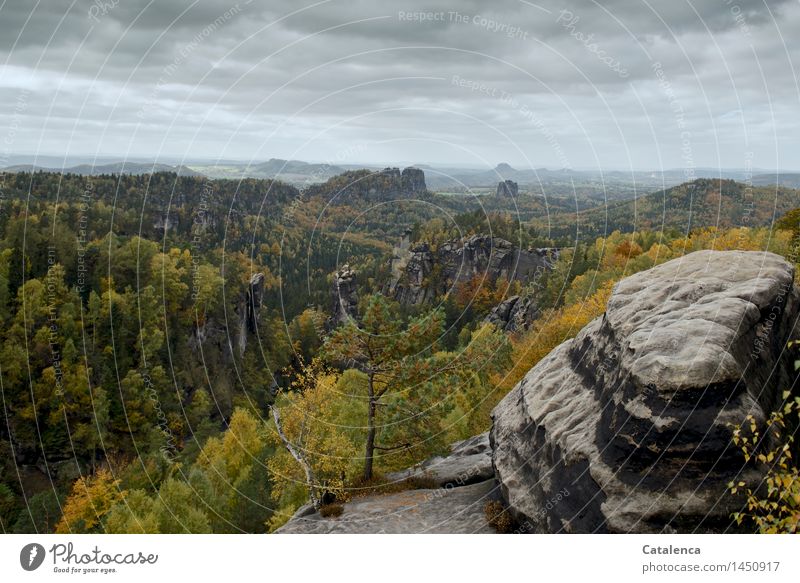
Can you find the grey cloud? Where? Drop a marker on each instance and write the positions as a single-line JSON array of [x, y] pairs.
[[208, 79]]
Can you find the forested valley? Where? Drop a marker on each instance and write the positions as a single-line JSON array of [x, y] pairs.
[[176, 355]]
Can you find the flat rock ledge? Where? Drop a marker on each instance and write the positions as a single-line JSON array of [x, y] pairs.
[[469, 461], [626, 428], [465, 483], [432, 511]]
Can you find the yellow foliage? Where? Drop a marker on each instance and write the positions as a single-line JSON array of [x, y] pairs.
[[230, 456], [551, 329], [314, 420], [775, 508], [90, 500], [659, 253]]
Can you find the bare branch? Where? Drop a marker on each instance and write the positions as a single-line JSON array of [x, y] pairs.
[[401, 446], [311, 481]]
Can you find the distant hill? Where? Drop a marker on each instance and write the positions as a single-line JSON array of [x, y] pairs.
[[277, 167], [700, 203], [294, 172], [607, 184], [113, 168], [789, 180]]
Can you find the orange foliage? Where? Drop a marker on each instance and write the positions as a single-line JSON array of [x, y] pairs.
[[481, 294]]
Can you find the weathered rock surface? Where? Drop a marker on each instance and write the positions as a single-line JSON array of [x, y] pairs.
[[514, 314], [629, 421], [465, 483], [443, 510], [409, 182], [248, 309], [254, 297], [469, 461], [344, 293], [413, 181], [421, 274]]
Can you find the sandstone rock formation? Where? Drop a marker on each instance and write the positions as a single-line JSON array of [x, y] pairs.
[[514, 314], [507, 188], [409, 182], [411, 268], [254, 297], [249, 308], [630, 421], [413, 181], [228, 337], [355, 186], [344, 292], [421, 274]]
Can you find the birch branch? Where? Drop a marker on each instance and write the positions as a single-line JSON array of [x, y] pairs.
[[298, 455]]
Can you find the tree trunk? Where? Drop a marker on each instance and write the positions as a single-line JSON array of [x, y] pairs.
[[369, 453], [311, 480]]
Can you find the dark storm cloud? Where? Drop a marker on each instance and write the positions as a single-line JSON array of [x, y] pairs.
[[618, 82]]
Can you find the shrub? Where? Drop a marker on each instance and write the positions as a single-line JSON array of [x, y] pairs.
[[331, 510], [775, 506], [498, 517]]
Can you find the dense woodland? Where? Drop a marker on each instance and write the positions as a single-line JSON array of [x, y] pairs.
[[139, 395], [679, 210]]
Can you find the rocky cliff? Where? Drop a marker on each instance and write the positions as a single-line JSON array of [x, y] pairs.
[[633, 416], [344, 295], [627, 427], [358, 185], [514, 314], [508, 188], [420, 273], [412, 181], [224, 336]]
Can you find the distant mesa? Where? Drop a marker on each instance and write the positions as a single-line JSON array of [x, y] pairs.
[[508, 188]]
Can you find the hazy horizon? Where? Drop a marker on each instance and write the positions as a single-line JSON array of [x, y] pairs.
[[617, 86], [56, 160]]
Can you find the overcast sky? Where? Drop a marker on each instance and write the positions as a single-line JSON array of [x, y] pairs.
[[611, 84]]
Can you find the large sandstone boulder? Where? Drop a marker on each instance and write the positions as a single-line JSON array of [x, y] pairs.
[[626, 428]]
